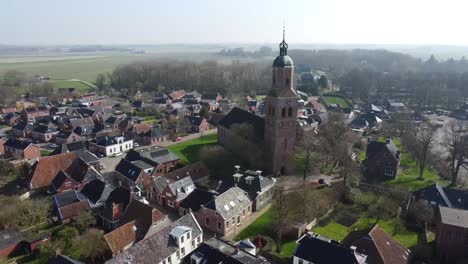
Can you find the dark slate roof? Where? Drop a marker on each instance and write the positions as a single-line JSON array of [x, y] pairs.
[[257, 183], [128, 170], [239, 116], [447, 197], [63, 134], [158, 246], [320, 250], [180, 187], [43, 129], [96, 191], [87, 156], [375, 147], [9, 237], [67, 198], [23, 126], [70, 147], [119, 195], [195, 120], [17, 144], [151, 154], [197, 198], [155, 132], [85, 130], [217, 250], [59, 179]]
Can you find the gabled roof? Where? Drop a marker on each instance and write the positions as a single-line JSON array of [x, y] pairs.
[[321, 250], [17, 144], [390, 250], [376, 147], [229, 203], [152, 154], [63, 134], [239, 116], [70, 147], [196, 171], [96, 191], [9, 237], [155, 132], [45, 169], [128, 170], [144, 216], [158, 246], [23, 126], [43, 129], [249, 181], [454, 217], [121, 237], [177, 94], [197, 198], [195, 120], [81, 122], [179, 187]]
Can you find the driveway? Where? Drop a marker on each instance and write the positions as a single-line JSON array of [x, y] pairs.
[[110, 163]]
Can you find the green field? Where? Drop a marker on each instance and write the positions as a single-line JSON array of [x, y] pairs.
[[336, 100], [79, 85], [188, 151]]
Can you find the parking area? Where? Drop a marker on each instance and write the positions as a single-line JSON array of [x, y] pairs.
[[108, 164]]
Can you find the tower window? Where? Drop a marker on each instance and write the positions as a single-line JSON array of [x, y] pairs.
[[290, 111], [283, 112], [274, 78], [287, 81]]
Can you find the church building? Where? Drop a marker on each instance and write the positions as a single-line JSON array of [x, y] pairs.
[[277, 130]]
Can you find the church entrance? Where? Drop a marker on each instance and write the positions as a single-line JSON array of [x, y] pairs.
[[282, 171]]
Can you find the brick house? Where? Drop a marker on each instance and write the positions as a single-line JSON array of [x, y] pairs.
[[382, 160], [155, 160], [69, 204], [65, 137], [258, 187], [44, 133], [196, 124], [197, 171], [10, 243], [224, 213], [29, 114], [74, 177], [22, 129], [109, 216], [154, 136], [44, 170], [132, 176], [167, 245], [20, 150], [169, 192], [451, 236]]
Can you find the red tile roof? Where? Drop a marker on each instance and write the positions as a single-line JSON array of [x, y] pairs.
[[197, 171], [177, 94], [73, 209], [45, 169], [121, 237]]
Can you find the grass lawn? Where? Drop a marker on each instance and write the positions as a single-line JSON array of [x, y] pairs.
[[188, 151], [77, 84], [288, 249], [338, 232], [259, 226], [336, 100]]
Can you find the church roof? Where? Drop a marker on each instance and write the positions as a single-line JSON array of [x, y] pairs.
[[283, 61], [239, 116]]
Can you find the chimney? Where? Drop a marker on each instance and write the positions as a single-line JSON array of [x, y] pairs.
[[387, 141], [353, 248], [237, 168], [58, 252], [117, 210], [368, 140], [259, 173]]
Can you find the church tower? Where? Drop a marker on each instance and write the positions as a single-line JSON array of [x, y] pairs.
[[281, 114]]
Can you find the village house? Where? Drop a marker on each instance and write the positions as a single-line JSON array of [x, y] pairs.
[[451, 236], [131, 176], [30, 114], [12, 119], [69, 204], [22, 129], [170, 192], [218, 250], [44, 170], [224, 213], [110, 214], [10, 243], [110, 146], [169, 245], [258, 187], [65, 137], [197, 171], [21, 150], [177, 95], [44, 133], [138, 219], [317, 249], [97, 192], [154, 160], [75, 177], [382, 159], [379, 246], [196, 124], [154, 136], [437, 195], [74, 123]]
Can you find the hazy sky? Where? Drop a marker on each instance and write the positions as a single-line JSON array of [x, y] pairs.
[[233, 21]]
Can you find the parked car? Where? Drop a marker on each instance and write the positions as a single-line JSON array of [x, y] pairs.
[[177, 139], [117, 154]]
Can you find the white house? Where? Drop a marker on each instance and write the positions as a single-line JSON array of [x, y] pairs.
[[110, 146]]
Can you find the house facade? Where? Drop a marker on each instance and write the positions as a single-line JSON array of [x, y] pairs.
[[170, 193], [452, 235], [382, 160], [109, 146], [21, 150]]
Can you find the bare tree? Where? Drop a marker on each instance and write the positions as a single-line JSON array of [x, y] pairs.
[[280, 210], [419, 142], [457, 150]]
